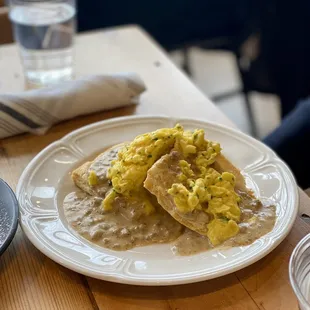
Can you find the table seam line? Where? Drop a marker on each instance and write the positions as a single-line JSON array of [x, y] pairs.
[[89, 292], [256, 304]]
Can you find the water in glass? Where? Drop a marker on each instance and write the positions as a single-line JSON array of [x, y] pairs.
[[44, 32]]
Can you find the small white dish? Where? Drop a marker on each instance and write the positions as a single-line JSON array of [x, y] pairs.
[[46, 181]]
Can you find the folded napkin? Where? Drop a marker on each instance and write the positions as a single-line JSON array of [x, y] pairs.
[[37, 110]]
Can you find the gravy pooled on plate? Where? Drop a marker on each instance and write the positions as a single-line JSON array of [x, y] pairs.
[[165, 186], [256, 221], [123, 228], [128, 224]]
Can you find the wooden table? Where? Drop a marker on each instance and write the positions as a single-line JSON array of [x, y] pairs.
[[30, 280]]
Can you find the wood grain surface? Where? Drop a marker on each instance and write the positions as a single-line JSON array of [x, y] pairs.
[[30, 280], [6, 33]]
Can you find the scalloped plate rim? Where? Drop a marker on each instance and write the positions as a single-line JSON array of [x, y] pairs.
[[126, 279]]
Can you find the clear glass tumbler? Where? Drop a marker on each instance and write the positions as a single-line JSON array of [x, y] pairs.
[[299, 272], [44, 31]]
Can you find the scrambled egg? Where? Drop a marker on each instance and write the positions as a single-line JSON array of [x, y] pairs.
[[220, 230], [92, 178], [203, 189], [128, 172], [213, 193]]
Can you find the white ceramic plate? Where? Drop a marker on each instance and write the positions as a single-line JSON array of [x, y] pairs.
[[46, 180]]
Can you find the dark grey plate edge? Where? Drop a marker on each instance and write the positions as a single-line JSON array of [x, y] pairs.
[[14, 226]]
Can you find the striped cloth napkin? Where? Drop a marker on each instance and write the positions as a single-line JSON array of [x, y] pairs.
[[37, 110]]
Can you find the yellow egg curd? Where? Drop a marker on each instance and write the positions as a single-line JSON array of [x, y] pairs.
[[212, 193], [203, 189]]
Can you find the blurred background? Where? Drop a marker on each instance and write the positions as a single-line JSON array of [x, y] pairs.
[[251, 57]]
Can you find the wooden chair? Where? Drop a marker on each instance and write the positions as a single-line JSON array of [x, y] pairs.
[[6, 35]]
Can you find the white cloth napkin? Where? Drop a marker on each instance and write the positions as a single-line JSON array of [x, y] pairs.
[[37, 110]]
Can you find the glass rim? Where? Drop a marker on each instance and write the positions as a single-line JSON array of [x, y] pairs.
[[294, 284]]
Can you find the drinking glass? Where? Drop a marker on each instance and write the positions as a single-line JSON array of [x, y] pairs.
[[299, 272], [44, 31]]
